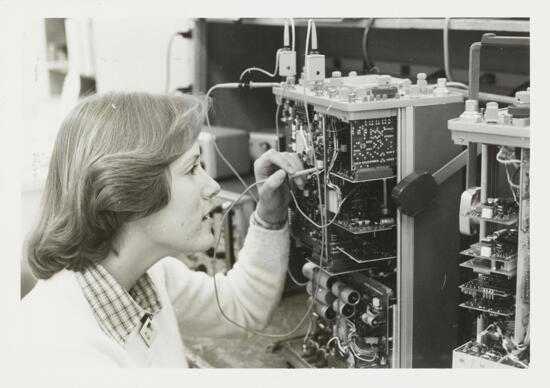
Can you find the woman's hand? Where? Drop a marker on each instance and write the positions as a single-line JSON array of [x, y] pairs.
[[274, 195]]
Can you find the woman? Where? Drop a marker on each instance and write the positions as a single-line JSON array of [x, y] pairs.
[[125, 193]]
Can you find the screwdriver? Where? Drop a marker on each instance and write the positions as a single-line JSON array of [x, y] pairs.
[[303, 172]]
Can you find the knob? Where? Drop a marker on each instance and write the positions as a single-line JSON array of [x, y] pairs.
[[491, 112], [383, 80], [523, 98]]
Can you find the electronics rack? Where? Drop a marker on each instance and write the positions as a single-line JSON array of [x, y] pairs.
[[365, 134], [499, 295]]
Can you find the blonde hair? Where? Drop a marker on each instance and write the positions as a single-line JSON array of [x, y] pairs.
[[108, 167]]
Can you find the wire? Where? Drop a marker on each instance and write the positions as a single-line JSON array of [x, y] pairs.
[[446, 54], [293, 34], [364, 46], [294, 279], [506, 162], [258, 69], [446, 58], [353, 350], [313, 222], [460, 85], [502, 160], [168, 61], [306, 51], [233, 85], [216, 287]]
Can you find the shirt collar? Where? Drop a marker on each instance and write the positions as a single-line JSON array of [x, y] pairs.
[[118, 312]]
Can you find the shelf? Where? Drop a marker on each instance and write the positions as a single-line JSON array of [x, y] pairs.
[[468, 24], [365, 260], [510, 220], [486, 270], [474, 251], [363, 229], [463, 132], [473, 287], [349, 179], [500, 312]]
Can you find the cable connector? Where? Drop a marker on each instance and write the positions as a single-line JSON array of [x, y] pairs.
[[287, 63], [314, 67], [256, 85]]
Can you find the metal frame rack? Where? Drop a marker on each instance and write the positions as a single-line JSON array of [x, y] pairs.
[[422, 316], [495, 129]]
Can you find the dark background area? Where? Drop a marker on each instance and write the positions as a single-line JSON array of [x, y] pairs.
[[235, 46]]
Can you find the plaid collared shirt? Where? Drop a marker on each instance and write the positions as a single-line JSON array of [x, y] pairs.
[[117, 311]]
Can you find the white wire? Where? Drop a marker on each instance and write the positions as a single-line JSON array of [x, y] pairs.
[[294, 279], [313, 222], [307, 37], [293, 34], [269, 335], [352, 348], [232, 85], [454, 84], [262, 70], [278, 149], [168, 62], [501, 160], [446, 58], [446, 49]]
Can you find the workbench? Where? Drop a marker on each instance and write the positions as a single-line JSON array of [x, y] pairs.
[[255, 351]]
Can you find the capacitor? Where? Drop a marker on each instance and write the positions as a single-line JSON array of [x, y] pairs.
[[370, 319], [387, 221], [324, 311], [308, 269], [322, 295], [343, 309], [345, 293]]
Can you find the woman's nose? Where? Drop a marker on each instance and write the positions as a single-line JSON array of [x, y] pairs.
[[210, 189]]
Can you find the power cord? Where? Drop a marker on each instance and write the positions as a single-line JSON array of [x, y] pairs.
[[169, 56]]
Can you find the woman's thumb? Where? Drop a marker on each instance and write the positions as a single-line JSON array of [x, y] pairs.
[[275, 180]]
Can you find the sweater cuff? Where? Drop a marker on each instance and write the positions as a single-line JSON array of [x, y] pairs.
[[255, 219], [267, 246]]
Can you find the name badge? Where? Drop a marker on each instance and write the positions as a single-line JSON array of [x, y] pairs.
[[146, 331]]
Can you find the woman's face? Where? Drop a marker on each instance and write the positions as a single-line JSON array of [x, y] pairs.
[[184, 224]]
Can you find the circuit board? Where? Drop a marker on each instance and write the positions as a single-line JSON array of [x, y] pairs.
[[345, 219]]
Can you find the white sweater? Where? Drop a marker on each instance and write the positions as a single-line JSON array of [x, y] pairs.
[[60, 330]]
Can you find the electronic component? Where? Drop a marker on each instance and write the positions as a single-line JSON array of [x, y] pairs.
[[468, 200], [287, 63], [344, 222], [498, 210], [501, 256]]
